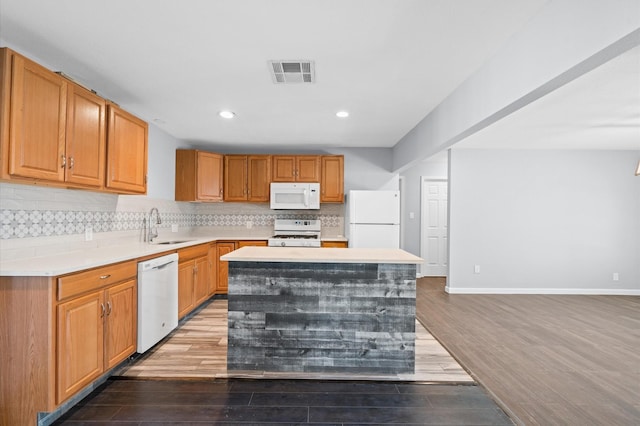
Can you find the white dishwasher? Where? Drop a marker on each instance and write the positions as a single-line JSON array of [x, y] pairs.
[[157, 299]]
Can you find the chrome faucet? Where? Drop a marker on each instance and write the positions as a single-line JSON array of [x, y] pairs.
[[152, 233]]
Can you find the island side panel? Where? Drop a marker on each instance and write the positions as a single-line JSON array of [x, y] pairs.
[[322, 317]]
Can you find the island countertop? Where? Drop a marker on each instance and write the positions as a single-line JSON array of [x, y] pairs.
[[321, 255]]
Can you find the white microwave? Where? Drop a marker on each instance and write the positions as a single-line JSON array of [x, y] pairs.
[[295, 196]]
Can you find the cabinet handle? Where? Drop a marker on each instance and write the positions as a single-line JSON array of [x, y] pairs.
[[102, 310], [109, 308], [71, 163], [104, 277], [64, 162]]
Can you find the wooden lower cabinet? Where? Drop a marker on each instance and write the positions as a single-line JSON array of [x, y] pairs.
[[194, 278], [96, 328], [223, 247], [253, 243], [335, 244], [186, 303], [213, 269], [80, 343]]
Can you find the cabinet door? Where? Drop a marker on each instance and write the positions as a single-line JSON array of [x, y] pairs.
[[283, 168], [209, 176], [86, 137], [121, 319], [334, 244], [80, 350], [253, 243], [235, 178], [202, 277], [37, 125], [213, 269], [308, 168], [259, 177], [185, 288], [223, 267], [126, 152], [332, 183]]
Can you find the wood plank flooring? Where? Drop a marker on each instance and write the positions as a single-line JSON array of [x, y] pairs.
[[131, 402], [198, 349], [547, 360]]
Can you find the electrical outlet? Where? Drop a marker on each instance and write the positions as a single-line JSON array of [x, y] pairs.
[[476, 269], [249, 224], [174, 227], [88, 233], [616, 276]]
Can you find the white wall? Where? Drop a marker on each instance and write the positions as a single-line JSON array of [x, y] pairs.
[[544, 221], [162, 163], [368, 169]]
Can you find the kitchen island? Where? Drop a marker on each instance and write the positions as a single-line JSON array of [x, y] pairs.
[[321, 310]]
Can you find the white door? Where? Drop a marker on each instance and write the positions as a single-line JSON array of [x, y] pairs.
[[433, 241]]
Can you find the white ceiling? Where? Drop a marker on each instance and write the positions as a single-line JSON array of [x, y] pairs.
[[177, 63]]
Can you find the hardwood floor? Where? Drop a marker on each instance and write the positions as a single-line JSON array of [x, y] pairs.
[[284, 403], [198, 348], [547, 360]]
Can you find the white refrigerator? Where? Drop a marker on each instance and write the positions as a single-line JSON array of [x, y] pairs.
[[373, 219]]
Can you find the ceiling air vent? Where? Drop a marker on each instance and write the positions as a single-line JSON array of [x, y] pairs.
[[292, 71]]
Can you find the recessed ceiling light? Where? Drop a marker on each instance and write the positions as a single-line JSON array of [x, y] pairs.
[[227, 114], [342, 114]]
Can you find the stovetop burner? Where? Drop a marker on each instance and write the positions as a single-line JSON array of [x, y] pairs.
[[308, 237]]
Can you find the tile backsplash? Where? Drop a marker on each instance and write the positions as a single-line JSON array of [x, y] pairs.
[[32, 211]]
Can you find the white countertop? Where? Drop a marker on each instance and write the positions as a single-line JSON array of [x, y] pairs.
[[68, 258], [67, 262], [321, 255]]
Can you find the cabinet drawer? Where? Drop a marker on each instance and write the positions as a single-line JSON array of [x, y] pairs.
[[193, 252], [82, 282]]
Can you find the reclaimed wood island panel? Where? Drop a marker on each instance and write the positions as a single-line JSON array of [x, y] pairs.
[[321, 310]]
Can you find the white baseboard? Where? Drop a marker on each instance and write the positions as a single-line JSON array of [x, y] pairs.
[[567, 291]]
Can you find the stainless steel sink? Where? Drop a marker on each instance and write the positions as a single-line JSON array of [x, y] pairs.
[[172, 242]]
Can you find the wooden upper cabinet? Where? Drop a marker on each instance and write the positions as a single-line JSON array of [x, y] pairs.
[[85, 137], [55, 131], [284, 168], [247, 177], [199, 175], [307, 168], [126, 152], [296, 168], [332, 183], [258, 178], [235, 178], [37, 116]]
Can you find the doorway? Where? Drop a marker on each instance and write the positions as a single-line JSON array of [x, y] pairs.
[[433, 227]]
